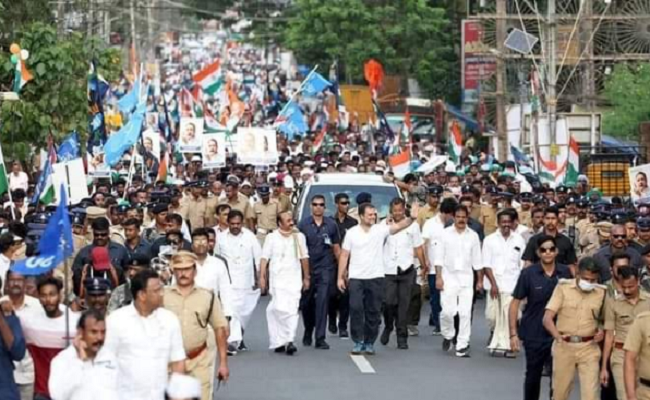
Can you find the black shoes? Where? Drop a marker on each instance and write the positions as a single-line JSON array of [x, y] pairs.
[[343, 334], [446, 344], [385, 336], [463, 353], [291, 349], [322, 345], [242, 346], [306, 339], [280, 349], [402, 346], [332, 329]]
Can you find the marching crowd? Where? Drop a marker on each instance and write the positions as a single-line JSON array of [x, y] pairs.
[[166, 274], [168, 282]]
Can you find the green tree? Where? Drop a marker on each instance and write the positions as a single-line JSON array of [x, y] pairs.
[[409, 37], [55, 100], [626, 90], [15, 14]]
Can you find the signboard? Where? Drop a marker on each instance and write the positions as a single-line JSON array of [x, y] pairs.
[[571, 48], [71, 174], [477, 63], [257, 146], [191, 135], [639, 182]]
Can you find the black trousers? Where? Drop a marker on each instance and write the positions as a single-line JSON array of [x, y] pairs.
[[397, 302], [366, 296], [339, 307], [314, 302], [415, 305], [538, 353]]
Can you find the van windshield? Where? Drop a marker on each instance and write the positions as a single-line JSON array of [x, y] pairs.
[[381, 197]]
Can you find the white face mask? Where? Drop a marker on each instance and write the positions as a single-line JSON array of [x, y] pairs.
[[586, 286]]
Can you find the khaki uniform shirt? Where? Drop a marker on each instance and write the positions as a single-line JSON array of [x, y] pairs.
[[620, 314], [593, 243], [242, 204], [192, 312], [284, 200], [195, 211], [266, 215], [488, 219], [117, 234], [211, 211], [425, 213], [578, 312], [525, 217], [475, 212], [637, 341]]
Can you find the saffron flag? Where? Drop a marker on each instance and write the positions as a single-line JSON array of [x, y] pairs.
[[455, 145], [400, 164], [573, 163]]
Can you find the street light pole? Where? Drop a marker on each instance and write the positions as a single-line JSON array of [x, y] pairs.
[[502, 129], [551, 73]]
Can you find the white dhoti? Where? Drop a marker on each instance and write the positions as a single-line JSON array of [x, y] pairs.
[[282, 316], [496, 313], [243, 303]]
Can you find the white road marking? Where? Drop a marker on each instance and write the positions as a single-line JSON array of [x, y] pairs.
[[363, 364]]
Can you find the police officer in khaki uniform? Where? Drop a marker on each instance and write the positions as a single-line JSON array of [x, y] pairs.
[[525, 208], [238, 201], [577, 304], [433, 204], [194, 208], [620, 313], [597, 237], [213, 200], [489, 211], [197, 308], [266, 213], [636, 367]]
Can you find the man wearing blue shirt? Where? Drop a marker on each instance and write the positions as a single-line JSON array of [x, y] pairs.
[[535, 284], [323, 244], [12, 348]]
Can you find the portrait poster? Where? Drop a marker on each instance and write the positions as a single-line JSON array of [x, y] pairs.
[[152, 121], [213, 151], [257, 146], [191, 135], [151, 140], [639, 182]]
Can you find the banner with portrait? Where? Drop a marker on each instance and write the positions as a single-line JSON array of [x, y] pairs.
[[639, 182], [257, 146], [191, 135], [151, 140], [213, 151]]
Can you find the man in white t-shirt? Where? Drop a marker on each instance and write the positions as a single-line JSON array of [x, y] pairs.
[[364, 278], [146, 340], [432, 232]]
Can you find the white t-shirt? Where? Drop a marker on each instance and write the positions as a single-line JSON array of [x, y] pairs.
[[20, 181], [366, 249]]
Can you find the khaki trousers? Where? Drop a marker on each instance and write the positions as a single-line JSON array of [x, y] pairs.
[[202, 368], [567, 357], [616, 362], [642, 392]]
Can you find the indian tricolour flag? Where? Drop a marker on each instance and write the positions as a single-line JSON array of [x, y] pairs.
[[209, 78], [400, 163], [573, 164], [455, 145], [45, 189]]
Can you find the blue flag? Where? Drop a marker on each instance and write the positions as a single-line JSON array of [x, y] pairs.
[[128, 102], [314, 84], [125, 138], [55, 245], [43, 179], [291, 121], [70, 148], [97, 90]]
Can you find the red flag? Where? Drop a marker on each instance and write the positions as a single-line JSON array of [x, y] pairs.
[[374, 74]]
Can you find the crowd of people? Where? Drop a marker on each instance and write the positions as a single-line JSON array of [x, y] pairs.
[[166, 274]]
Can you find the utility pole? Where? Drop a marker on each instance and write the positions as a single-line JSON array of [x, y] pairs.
[[551, 73], [133, 38], [502, 129], [150, 32], [60, 17]]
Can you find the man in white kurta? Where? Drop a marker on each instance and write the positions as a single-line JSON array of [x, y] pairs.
[[289, 276], [502, 252], [457, 256], [242, 251]]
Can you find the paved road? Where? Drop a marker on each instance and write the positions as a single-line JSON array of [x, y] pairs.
[[422, 372]]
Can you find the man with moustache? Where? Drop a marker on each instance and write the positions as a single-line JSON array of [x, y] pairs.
[[85, 370]]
